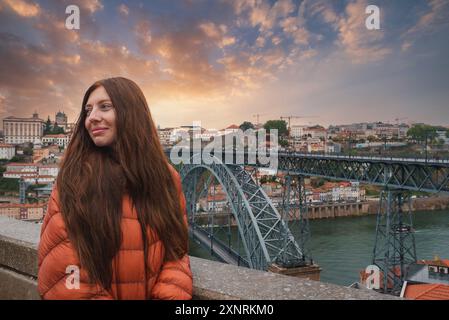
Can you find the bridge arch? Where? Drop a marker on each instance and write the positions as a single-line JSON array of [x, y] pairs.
[[265, 235]]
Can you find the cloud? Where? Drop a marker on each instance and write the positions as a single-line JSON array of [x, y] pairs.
[[91, 6], [431, 20], [123, 10], [23, 8], [359, 43]]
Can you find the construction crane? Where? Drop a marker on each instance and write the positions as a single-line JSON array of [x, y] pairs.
[[293, 117]]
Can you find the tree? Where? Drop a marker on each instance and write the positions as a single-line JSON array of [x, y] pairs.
[[447, 134], [421, 132], [47, 129], [279, 125], [246, 125], [57, 129], [283, 143]]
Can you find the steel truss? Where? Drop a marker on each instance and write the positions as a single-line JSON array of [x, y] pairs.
[[394, 248], [408, 175], [295, 211], [261, 228]]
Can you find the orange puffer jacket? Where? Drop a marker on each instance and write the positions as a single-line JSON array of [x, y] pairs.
[[56, 256]]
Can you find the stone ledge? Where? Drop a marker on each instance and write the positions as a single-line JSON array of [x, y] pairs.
[[212, 280]]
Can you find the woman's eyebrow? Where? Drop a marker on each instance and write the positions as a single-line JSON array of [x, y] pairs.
[[99, 102]]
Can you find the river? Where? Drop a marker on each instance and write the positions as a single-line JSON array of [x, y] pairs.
[[343, 246]]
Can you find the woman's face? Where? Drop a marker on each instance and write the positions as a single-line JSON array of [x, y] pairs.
[[100, 118]]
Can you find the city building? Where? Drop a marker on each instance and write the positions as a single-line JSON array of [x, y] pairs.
[[61, 140], [48, 170], [61, 120], [231, 129], [316, 132], [21, 130], [23, 211], [7, 151], [427, 280], [165, 136], [297, 131], [33, 173], [441, 135]]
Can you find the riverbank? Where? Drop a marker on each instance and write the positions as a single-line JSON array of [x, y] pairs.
[[371, 207]]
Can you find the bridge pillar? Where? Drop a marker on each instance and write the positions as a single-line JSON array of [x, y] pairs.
[[295, 214], [394, 248], [295, 211]]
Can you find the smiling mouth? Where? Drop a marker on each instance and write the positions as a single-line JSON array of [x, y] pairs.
[[98, 131]]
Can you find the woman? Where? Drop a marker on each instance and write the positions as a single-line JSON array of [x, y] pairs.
[[116, 225]]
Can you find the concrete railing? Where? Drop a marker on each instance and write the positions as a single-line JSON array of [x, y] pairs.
[[212, 280]]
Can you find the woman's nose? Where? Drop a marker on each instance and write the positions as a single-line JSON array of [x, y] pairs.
[[94, 115]]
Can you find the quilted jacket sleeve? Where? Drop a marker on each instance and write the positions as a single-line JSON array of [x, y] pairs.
[[175, 280], [60, 276]]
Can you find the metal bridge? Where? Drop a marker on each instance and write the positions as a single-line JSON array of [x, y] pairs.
[[264, 229]]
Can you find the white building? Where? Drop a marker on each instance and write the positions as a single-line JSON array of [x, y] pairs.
[[61, 140], [48, 170], [21, 167], [21, 130], [297, 131], [7, 151], [165, 136], [441, 135]]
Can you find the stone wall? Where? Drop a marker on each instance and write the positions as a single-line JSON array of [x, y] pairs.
[[212, 280]]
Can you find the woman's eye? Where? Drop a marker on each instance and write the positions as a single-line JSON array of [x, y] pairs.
[[106, 106]]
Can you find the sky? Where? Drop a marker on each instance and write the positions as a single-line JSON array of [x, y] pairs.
[[222, 62]]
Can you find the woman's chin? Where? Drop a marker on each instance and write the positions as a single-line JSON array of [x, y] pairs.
[[102, 142]]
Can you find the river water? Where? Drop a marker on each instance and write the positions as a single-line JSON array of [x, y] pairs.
[[344, 246]]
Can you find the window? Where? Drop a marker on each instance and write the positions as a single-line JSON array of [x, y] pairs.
[[443, 270], [433, 269]]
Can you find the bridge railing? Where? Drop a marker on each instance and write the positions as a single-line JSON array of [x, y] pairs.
[[211, 280], [331, 155]]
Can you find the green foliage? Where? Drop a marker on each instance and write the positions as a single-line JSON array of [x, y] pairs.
[[57, 129], [246, 125], [280, 125], [421, 132], [47, 129], [9, 184], [18, 158], [283, 143]]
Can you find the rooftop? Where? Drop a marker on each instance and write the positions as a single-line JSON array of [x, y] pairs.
[[419, 273], [427, 292]]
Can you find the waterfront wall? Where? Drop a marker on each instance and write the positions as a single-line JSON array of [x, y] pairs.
[[419, 204], [211, 280], [329, 211]]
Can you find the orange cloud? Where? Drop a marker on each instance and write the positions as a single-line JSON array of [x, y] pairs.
[[23, 8], [359, 43]]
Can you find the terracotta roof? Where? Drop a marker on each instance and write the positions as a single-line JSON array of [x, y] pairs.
[[22, 205], [438, 262], [61, 135], [20, 172], [434, 291], [233, 126]]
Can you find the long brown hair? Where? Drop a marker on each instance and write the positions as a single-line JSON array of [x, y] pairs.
[[92, 181]]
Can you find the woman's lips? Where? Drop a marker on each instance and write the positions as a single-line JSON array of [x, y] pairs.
[[98, 131]]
